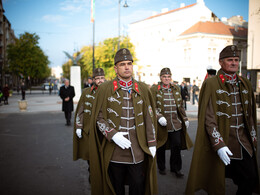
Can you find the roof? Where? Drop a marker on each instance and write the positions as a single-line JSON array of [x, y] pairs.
[[171, 11], [216, 28]]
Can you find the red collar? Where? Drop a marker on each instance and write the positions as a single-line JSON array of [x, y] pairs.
[[94, 86], [231, 77], [125, 84], [166, 86]]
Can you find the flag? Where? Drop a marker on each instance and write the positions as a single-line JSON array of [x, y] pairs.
[[92, 10]]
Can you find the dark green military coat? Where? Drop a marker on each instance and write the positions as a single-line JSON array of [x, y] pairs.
[[162, 131], [81, 145], [102, 150], [207, 171]]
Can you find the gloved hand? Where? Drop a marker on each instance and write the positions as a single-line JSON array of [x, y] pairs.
[[187, 124], [162, 121], [223, 154], [121, 141], [79, 133], [152, 150]]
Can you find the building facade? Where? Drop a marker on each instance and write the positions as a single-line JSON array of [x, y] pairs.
[[254, 43], [187, 40], [6, 37]]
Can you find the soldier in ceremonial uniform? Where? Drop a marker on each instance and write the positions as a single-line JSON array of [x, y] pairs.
[[124, 144], [226, 138], [210, 72], [83, 115], [173, 122]]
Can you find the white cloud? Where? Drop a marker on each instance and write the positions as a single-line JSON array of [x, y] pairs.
[[74, 6], [52, 18]]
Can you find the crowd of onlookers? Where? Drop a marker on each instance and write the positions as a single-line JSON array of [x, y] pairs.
[[189, 92]]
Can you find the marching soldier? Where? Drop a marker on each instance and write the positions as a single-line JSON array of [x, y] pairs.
[[173, 123], [83, 115], [124, 145], [226, 138]]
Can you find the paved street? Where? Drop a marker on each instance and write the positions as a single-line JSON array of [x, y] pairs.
[[36, 152]]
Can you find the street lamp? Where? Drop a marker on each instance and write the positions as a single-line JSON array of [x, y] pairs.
[[125, 5]]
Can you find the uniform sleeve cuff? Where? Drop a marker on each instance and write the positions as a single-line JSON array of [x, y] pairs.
[[110, 134], [218, 146], [152, 143]]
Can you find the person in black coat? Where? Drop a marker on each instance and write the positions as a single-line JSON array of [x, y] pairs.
[[67, 93], [184, 94], [23, 88], [6, 93]]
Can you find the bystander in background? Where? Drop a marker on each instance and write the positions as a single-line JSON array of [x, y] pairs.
[[6, 93], [89, 82], [23, 88], [195, 92]]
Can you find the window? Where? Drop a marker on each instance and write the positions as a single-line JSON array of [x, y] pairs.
[[187, 55], [212, 55]]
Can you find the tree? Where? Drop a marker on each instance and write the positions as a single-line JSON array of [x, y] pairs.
[[27, 58], [104, 57]]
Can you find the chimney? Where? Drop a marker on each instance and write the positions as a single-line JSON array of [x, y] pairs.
[[182, 5], [236, 28]]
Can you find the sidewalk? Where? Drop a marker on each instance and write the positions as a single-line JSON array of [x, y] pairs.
[[36, 102], [39, 102]]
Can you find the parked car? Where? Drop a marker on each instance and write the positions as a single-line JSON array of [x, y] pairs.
[[45, 86]]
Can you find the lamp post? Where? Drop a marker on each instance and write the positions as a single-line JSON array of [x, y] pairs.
[[125, 5]]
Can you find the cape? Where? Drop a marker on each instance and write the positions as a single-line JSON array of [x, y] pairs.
[[207, 171], [162, 131], [102, 150], [81, 145]]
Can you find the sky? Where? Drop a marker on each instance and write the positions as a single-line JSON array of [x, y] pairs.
[[64, 25]]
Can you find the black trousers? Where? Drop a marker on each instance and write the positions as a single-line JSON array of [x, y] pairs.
[[175, 145], [184, 101], [6, 100], [243, 173], [23, 95], [67, 117], [133, 173]]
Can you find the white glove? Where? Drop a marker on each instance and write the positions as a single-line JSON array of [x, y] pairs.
[[187, 124], [152, 150], [121, 141], [162, 121], [223, 154], [79, 133]]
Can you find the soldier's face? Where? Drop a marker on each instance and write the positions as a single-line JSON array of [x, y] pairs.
[[229, 65], [166, 79], [124, 70], [99, 80], [89, 81]]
